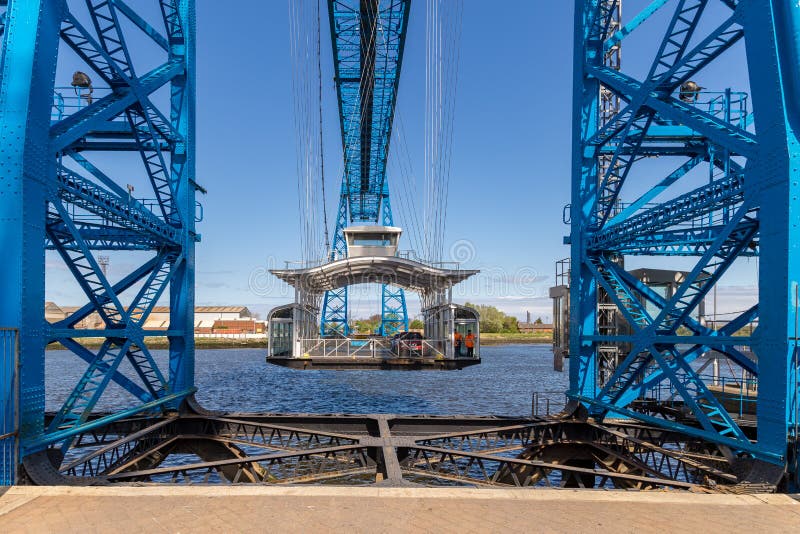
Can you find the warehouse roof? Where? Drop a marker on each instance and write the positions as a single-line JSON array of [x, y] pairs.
[[209, 309]]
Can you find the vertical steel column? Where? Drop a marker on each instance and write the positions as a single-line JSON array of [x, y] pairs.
[[181, 347], [773, 51], [27, 170], [588, 50]]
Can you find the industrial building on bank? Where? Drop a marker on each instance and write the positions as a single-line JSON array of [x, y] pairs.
[[208, 320]]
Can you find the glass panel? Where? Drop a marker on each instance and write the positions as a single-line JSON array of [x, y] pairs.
[[364, 242], [465, 328], [281, 337]]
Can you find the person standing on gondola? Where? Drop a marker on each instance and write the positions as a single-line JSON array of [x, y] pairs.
[[470, 343]]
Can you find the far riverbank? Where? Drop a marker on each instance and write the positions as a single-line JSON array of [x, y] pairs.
[[518, 338], [199, 343]]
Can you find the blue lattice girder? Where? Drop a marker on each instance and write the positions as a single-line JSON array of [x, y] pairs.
[[170, 14], [719, 340], [120, 379], [737, 235], [746, 208], [334, 313], [680, 242], [637, 372], [674, 313], [152, 289], [120, 212], [90, 386], [671, 109], [394, 314], [683, 208], [623, 396], [682, 69], [335, 318], [634, 118], [653, 192], [85, 268], [62, 201], [74, 127], [368, 38]]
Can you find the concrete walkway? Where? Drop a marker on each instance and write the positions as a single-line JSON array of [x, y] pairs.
[[326, 509]]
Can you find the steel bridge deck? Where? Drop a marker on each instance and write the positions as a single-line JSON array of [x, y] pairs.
[[566, 450]]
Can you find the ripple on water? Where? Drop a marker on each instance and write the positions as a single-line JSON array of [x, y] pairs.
[[240, 380]]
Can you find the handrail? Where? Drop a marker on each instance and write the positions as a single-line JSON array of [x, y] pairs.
[[402, 254], [71, 99], [741, 390], [346, 347], [9, 405], [547, 402]]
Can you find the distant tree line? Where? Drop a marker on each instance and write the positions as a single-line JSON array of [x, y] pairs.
[[369, 325], [494, 321], [372, 324]]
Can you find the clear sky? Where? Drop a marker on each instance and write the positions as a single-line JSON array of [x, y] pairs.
[[510, 161], [509, 181]]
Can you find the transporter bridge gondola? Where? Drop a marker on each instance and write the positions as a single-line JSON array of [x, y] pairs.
[[296, 341]]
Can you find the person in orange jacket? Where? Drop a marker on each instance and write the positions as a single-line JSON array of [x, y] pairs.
[[470, 343], [457, 338]]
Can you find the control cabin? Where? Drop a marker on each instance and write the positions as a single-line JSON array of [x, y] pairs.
[[364, 241]]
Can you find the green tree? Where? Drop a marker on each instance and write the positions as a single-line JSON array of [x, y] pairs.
[[510, 324], [369, 325], [416, 324], [494, 320], [491, 326]]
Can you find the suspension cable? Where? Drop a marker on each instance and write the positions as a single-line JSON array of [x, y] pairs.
[[321, 148]]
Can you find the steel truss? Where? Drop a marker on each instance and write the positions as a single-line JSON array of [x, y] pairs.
[[368, 39], [199, 448], [57, 199], [746, 207]]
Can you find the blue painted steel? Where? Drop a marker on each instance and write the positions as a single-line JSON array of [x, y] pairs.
[[335, 319], [394, 313], [637, 21], [748, 207], [100, 422], [58, 199], [30, 41], [368, 38]]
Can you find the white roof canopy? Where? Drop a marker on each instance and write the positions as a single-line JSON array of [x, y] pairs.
[[400, 272]]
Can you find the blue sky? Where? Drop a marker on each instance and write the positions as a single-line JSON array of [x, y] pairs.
[[510, 161], [507, 190]]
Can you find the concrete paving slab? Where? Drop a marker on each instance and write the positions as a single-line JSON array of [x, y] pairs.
[[372, 509]]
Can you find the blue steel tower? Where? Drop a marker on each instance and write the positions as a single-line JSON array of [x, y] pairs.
[[56, 197], [746, 205], [368, 38]]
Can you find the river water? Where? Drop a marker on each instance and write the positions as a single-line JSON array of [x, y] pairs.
[[240, 380]]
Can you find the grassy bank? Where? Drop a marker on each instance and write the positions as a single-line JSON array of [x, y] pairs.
[[199, 342], [517, 337]]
